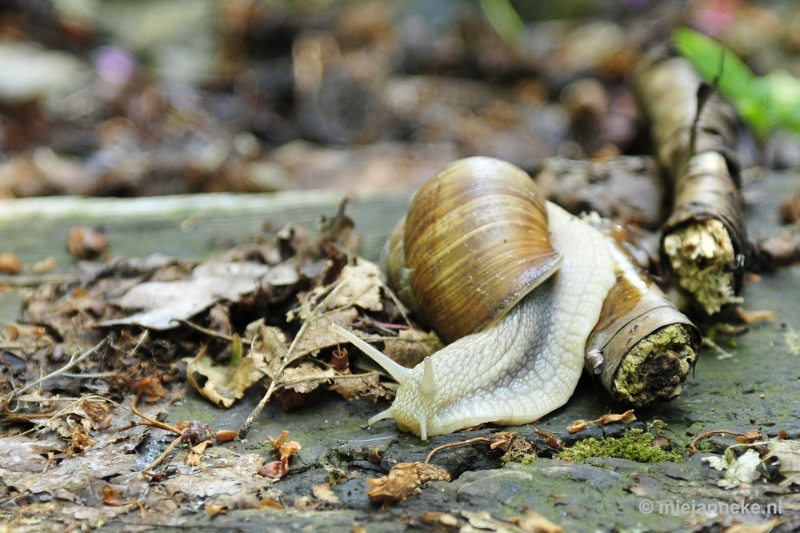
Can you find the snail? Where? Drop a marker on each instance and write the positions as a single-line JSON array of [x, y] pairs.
[[514, 284]]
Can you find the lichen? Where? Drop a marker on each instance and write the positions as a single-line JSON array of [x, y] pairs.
[[634, 445]]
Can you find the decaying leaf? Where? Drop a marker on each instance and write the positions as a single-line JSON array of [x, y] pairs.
[[213, 509], [111, 496], [533, 522], [787, 453], [738, 470], [196, 453], [324, 492], [86, 243], [404, 480], [626, 418], [223, 385], [163, 303]]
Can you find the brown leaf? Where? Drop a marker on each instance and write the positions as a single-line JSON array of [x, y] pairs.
[[10, 263], [403, 480], [351, 387], [86, 243], [411, 346], [751, 436], [213, 509], [533, 522], [225, 435], [447, 520], [579, 425], [273, 469], [787, 452], [111, 496], [223, 385], [269, 503], [358, 286], [324, 492], [626, 418], [196, 453]]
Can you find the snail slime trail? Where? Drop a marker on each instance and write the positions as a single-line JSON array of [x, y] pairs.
[[524, 361]]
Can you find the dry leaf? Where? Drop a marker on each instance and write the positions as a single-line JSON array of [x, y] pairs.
[[787, 452], [86, 243], [411, 346], [196, 453], [764, 527], [10, 263], [533, 522], [111, 496], [358, 286], [223, 385], [273, 469], [751, 436], [324, 492], [579, 425], [447, 520], [403, 480], [225, 435], [626, 418], [269, 503], [163, 303], [213, 509]]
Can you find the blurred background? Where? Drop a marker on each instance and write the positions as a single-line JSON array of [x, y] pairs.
[[156, 97]]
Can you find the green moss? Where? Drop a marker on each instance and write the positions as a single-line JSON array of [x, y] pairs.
[[635, 445], [525, 458]]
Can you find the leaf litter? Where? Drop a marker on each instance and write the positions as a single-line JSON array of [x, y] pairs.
[[99, 356]]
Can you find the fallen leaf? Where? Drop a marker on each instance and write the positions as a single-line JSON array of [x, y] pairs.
[[324, 492], [763, 527], [787, 452], [533, 522], [626, 418], [273, 469], [269, 503], [86, 243], [195, 454], [163, 303], [10, 263], [111, 496], [225, 435], [223, 385], [447, 520], [213, 509], [44, 266], [403, 480]]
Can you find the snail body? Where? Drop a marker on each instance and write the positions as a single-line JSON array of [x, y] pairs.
[[530, 302]]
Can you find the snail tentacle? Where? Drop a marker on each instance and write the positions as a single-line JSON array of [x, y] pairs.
[[398, 372]]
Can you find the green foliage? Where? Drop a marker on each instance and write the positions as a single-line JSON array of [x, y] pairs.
[[766, 102], [504, 19]]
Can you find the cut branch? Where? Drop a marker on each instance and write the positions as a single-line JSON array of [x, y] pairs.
[[642, 347], [703, 244]]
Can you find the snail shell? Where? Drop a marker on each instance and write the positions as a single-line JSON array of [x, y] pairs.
[[474, 243]]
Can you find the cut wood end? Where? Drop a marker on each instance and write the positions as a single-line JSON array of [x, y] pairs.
[[702, 260], [654, 369]]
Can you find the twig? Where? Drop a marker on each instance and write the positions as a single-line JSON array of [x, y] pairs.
[[163, 455], [691, 448], [454, 444], [33, 281], [72, 362], [152, 421]]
